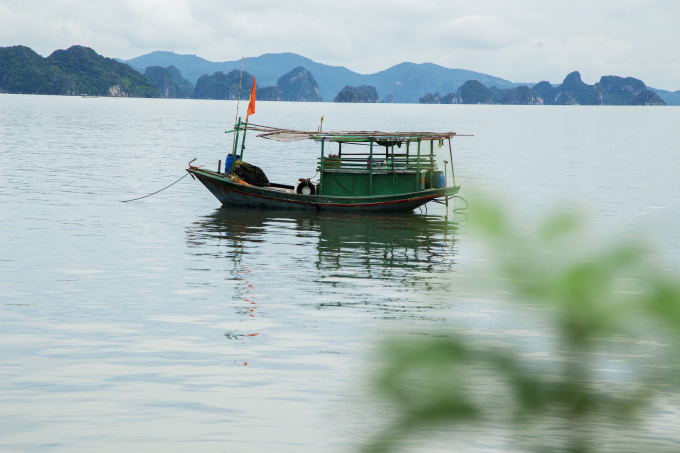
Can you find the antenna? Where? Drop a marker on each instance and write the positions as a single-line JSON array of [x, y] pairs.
[[233, 145], [239, 90]]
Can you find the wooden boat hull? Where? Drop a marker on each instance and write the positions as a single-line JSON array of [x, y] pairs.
[[231, 193]]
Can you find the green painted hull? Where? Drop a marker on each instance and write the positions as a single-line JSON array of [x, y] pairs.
[[230, 193]]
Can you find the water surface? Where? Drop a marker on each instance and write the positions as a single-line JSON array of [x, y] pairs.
[[170, 324]]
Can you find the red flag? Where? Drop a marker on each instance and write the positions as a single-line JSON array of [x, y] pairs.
[[251, 103]]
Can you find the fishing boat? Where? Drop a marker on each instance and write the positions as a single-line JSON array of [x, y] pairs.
[[358, 171]]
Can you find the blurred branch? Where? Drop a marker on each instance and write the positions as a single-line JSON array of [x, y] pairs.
[[437, 381]]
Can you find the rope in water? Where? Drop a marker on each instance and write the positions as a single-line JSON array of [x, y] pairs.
[[466, 204], [126, 201]]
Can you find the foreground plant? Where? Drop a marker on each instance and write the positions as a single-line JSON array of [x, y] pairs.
[[597, 303]]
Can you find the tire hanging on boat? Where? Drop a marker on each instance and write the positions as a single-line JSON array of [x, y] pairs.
[[306, 187]]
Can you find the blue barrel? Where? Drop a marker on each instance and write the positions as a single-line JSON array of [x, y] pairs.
[[227, 163], [439, 180]]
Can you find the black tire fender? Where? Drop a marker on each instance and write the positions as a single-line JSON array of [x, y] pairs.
[[306, 183]]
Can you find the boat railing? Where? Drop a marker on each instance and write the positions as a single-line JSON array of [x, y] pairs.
[[380, 163]]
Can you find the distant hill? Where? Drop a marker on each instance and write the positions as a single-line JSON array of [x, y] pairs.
[[223, 86], [362, 94], [407, 82], [474, 92], [169, 81], [522, 95], [297, 85], [74, 71], [431, 98], [270, 93], [669, 97], [610, 90], [183, 85]]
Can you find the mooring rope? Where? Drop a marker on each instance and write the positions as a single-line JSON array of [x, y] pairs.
[[467, 205], [126, 201]]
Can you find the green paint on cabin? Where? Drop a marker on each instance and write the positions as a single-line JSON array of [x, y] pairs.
[[338, 183], [376, 172]]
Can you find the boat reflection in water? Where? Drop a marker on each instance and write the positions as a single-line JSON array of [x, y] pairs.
[[339, 259]]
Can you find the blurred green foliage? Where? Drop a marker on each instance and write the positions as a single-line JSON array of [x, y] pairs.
[[596, 302]]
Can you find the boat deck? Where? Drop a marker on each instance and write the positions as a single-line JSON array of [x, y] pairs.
[[278, 189]]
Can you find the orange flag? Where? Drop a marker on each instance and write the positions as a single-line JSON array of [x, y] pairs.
[[251, 103]]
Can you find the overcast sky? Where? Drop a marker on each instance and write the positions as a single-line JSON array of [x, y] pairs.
[[519, 40]]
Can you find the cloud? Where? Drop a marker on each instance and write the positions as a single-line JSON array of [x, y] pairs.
[[476, 32], [520, 40]]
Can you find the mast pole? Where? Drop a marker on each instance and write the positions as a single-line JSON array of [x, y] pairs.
[[233, 153], [237, 105], [235, 142], [240, 79]]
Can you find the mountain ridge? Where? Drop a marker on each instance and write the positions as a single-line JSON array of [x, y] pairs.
[[407, 82], [73, 71], [610, 90], [79, 70], [297, 85]]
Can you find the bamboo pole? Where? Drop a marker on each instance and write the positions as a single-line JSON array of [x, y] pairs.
[[418, 178], [321, 169], [233, 153], [370, 170], [445, 183], [394, 169], [243, 142], [407, 145], [431, 164], [453, 175]]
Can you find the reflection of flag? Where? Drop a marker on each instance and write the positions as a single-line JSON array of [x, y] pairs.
[[251, 103]]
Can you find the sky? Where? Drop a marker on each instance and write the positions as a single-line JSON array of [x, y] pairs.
[[518, 40]]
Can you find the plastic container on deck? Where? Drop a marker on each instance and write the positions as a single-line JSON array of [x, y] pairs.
[[227, 163], [438, 180]]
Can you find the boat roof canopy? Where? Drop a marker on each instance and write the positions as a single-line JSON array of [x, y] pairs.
[[382, 138]]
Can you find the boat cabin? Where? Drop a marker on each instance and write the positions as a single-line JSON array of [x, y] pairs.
[[367, 163], [358, 170]]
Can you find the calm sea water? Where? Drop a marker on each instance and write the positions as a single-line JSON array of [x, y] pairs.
[[170, 324]]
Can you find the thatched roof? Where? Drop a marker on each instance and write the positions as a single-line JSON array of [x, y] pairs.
[[290, 135]]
